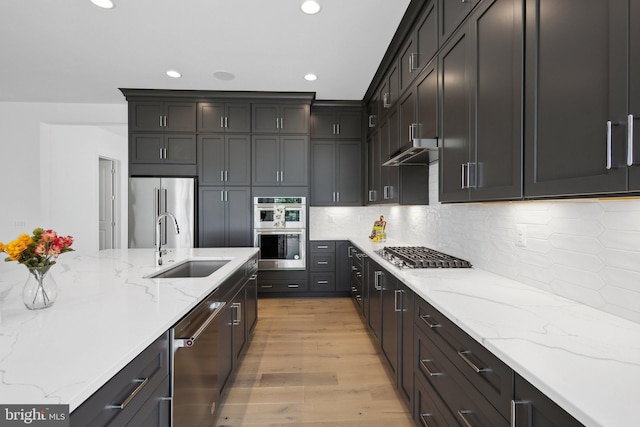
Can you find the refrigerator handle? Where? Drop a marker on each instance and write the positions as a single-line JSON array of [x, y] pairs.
[[156, 210], [164, 209]]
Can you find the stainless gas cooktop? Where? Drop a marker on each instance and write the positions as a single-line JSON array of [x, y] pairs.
[[420, 257]]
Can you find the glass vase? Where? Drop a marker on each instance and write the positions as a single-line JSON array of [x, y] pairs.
[[41, 289]]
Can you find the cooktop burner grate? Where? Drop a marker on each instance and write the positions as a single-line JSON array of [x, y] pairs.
[[420, 257]]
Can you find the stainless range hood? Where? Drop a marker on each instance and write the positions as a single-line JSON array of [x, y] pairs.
[[419, 152]]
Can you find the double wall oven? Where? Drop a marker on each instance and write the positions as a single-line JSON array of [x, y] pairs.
[[280, 231]]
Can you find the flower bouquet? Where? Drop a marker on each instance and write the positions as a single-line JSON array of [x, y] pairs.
[[38, 253]]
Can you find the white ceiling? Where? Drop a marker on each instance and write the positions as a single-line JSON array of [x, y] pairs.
[[73, 51]]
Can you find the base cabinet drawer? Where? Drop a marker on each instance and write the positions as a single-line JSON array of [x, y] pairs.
[[428, 409], [488, 374], [323, 282], [283, 286], [131, 390], [467, 405]]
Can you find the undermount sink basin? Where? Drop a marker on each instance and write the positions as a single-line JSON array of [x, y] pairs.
[[191, 268]]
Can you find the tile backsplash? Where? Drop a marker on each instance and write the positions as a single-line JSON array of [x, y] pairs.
[[587, 250]]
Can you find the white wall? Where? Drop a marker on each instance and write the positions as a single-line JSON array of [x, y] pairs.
[[587, 250], [49, 170]]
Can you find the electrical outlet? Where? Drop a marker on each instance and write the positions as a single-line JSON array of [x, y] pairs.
[[521, 235]]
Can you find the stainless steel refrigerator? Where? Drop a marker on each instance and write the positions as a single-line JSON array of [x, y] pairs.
[[149, 197]]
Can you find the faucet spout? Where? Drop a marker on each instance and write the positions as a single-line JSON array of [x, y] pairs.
[[159, 251]]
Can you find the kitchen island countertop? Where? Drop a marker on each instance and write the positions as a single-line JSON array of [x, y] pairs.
[[585, 360], [106, 313]]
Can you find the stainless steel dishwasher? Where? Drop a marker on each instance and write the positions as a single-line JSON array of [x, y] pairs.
[[195, 364]]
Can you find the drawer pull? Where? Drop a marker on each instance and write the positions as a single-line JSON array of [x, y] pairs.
[[142, 382], [423, 363], [423, 419], [476, 369], [322, 247], [293, 286], [323, 282], [266, 286], [323, 262], [425, 318], [463, 414]]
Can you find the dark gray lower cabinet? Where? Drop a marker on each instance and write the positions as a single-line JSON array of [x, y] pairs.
[[137, 395], [225, 216], [406, 299], [533, 409], [390, 319], [374, 301], [343, 266]]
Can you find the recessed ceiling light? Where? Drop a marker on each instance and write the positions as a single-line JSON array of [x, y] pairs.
[[223, 75], [174, 74], [105, 4], [310, 7], [311, 77]]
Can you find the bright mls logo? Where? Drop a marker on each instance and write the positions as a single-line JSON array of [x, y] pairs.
[[34, 415]]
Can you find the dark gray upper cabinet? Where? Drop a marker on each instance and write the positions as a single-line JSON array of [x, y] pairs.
[[427, 102], [336, 124], [280, 160], [634, 92], [481, 128], [336, 173], [225, 217], [451, 14], [374, 186], [576, 84], [454, 70], [280, 118], [389, 143], [170, 116], [224, 117], [162, 148], [224, 159], [389, 91], [419, 47]]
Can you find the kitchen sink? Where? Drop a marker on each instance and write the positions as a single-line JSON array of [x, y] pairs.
[[191, 268]]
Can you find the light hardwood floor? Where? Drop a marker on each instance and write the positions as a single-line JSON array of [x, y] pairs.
[[311, 363]]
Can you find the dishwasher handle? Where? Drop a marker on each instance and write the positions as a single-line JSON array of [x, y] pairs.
[[189, 336]]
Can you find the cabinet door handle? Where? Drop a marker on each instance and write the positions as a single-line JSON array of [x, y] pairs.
[[281, 176], [462, 187], [425, 318], [423, 419], [429, 372], [142, 382], [226, 122], [277, 176], [373, 195], [396, 307], [630, 140], [238, 314], [161, 152], [226, 176], [221, 121], [462, 413], [281, 122], [476, 369], [338, 129], [337, 197], [515, 404], [372, 118], [222, 195], [160, 124], [322, 247], [385, 100], [609, 124], [222, 176], [376, 283]]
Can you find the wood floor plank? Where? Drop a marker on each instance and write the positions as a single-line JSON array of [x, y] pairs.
[[311, 363]]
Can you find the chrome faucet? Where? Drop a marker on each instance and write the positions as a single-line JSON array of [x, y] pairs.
[[159, 251]]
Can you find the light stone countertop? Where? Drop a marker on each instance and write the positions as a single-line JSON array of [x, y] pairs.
[[105, 315], [585, 360]]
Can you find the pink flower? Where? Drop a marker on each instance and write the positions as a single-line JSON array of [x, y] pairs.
[[41, 249], [48, 236]]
